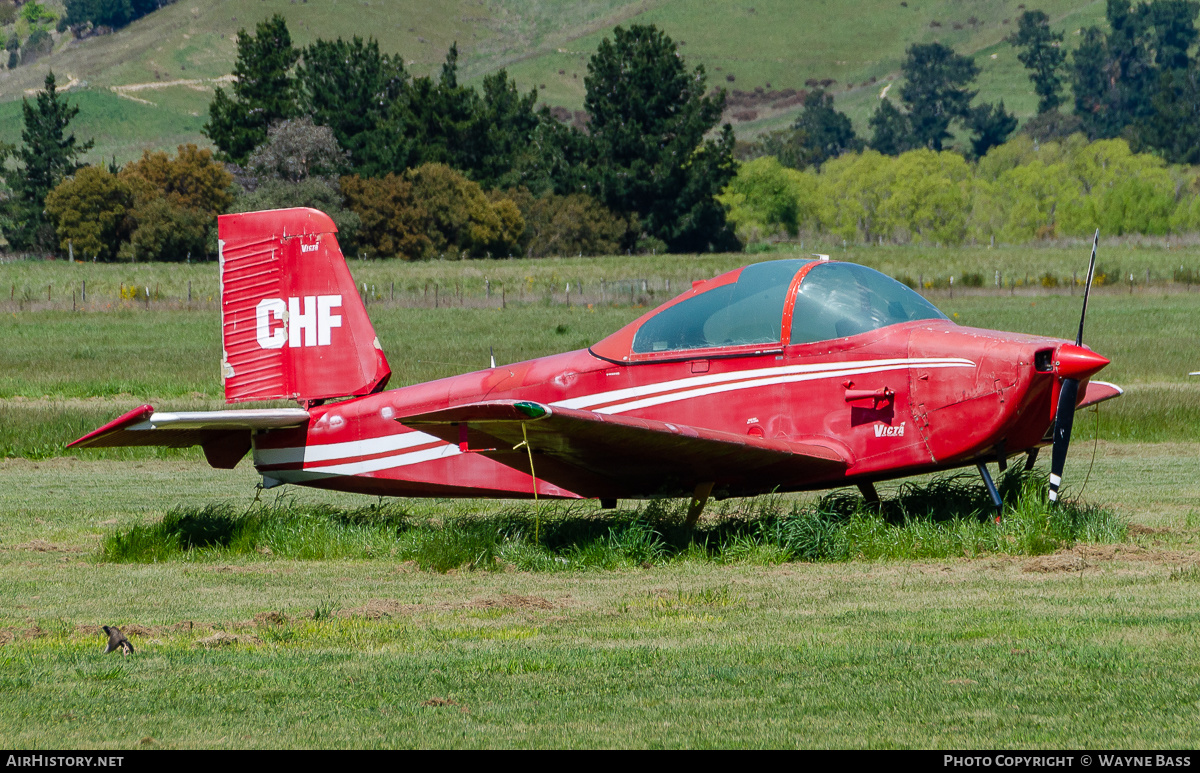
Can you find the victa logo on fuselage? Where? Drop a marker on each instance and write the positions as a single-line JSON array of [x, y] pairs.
[[882, 430], [315, 319]]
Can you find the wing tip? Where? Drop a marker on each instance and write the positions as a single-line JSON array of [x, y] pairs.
[[140, 413]]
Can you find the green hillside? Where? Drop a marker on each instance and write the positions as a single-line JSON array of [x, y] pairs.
[[148, 85]]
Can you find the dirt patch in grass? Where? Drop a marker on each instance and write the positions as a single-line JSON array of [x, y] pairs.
[[511, 601], [45, 546], [1089, 556], [1138, 529], [251, 569], [377, 608], [1059, 562], [226, 639]]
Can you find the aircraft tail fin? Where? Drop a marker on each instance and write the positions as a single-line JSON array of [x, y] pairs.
[[292, 323]]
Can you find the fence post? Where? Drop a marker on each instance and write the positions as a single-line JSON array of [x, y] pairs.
[[487, 288], [568, 295], [503, 298], [393, 296], [84, 292], [189, 291], [435, 294]]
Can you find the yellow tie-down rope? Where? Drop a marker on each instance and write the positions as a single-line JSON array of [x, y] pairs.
[[537, 510]]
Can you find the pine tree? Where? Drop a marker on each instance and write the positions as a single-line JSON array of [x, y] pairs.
[[892, 131], [48, 154], [262, 94], [355, 90], [648, 119], [1041, 53], [935, 91], [991, 125], [828, 132]]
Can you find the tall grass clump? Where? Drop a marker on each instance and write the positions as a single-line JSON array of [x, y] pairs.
[[286, 530], [944, 517]]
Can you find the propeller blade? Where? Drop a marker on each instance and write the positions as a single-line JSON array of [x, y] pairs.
[[1073, 364], [1064, 418], [1087, 288]]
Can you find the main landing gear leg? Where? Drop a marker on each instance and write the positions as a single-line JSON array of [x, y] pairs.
[[870, 495], [699, 500], [1030, 459], [991, 487]]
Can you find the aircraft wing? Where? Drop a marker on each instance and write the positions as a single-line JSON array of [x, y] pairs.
[[1098, 392], [224, 435], [605, 455]]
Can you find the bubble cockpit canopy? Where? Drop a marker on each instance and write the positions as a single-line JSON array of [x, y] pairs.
[[769, 305]]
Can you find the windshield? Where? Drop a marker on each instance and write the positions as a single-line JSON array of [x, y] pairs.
[[837, 300], [748, 311]]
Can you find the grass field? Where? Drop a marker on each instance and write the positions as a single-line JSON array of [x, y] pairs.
[[1086, 647], [773, 44], [333, 620]]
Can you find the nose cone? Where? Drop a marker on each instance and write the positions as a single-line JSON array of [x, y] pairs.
[[1071, 361]]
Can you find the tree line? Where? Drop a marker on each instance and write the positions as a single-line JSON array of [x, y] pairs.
[[1020, 191], [407, 166], [1139, 80], [644, 173]]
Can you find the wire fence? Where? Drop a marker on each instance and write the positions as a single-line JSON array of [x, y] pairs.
[[630, 291]]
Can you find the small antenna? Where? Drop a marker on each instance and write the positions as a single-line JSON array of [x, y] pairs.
[[492, 352], [819, 256]]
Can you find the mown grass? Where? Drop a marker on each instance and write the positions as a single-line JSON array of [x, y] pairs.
[[939, 518], [1095, 646]]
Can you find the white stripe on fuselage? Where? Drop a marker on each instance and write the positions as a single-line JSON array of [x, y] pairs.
[[660, 399], [614, 401], [350, 448], [823, 370]]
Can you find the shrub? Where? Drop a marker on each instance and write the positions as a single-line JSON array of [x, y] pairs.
[[392, 222], [567, 225], [316, 192], [91, 211]]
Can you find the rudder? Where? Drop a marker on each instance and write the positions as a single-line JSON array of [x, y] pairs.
[[292, 323]]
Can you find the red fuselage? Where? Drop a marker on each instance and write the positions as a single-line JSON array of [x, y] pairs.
[[900, 400]]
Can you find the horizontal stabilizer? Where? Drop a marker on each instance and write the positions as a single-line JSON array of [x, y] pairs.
[[1098, 392], [224, 435], [610, 455]]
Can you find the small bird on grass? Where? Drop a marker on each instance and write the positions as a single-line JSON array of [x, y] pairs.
[[117, 641]]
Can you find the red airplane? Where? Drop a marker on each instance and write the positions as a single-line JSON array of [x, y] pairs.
[[786, 375]]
